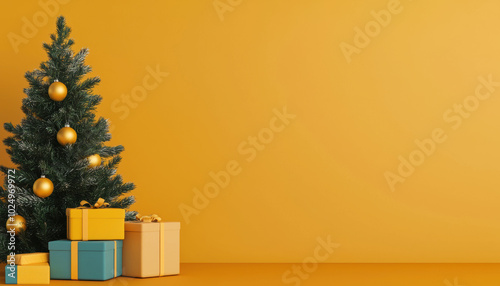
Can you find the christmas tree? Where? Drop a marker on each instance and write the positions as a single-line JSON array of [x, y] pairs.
[[59, 145]]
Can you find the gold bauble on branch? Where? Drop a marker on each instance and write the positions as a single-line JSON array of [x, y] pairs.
[[57, 91], [43, 187], [66, 135], [16, 223], [94, 160]]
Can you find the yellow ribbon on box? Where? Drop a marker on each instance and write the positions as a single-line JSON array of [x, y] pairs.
[[74, 260], [156, 218], [85, 206], [148, 218], [99, 204]]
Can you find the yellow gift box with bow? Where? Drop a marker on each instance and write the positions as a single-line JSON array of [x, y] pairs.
[[97, 222], [151, 247]]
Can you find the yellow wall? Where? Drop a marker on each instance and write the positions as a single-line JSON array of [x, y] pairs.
[[321, 174]]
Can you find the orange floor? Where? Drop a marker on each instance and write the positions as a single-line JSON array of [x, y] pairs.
[[325, 274]]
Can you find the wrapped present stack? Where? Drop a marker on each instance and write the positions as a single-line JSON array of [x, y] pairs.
[[100, 245], [93, 250]]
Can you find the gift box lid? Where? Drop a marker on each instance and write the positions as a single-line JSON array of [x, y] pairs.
[[65, 244], [30, 258], [102, 213], [151, 226]]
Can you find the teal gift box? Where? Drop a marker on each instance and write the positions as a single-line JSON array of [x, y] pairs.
[[85, 260]]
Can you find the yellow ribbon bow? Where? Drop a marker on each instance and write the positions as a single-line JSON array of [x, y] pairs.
[[99, 204], [148, 218]]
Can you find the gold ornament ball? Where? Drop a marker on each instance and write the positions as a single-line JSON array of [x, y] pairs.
[[94, 160], [17, 222], [43, 187], [57, 91], [66, 135]]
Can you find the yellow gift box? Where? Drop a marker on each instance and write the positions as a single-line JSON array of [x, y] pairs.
[[29, 268], [151, 249], [95, 224]]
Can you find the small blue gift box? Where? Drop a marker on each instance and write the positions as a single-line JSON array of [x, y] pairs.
[[85, 260]]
